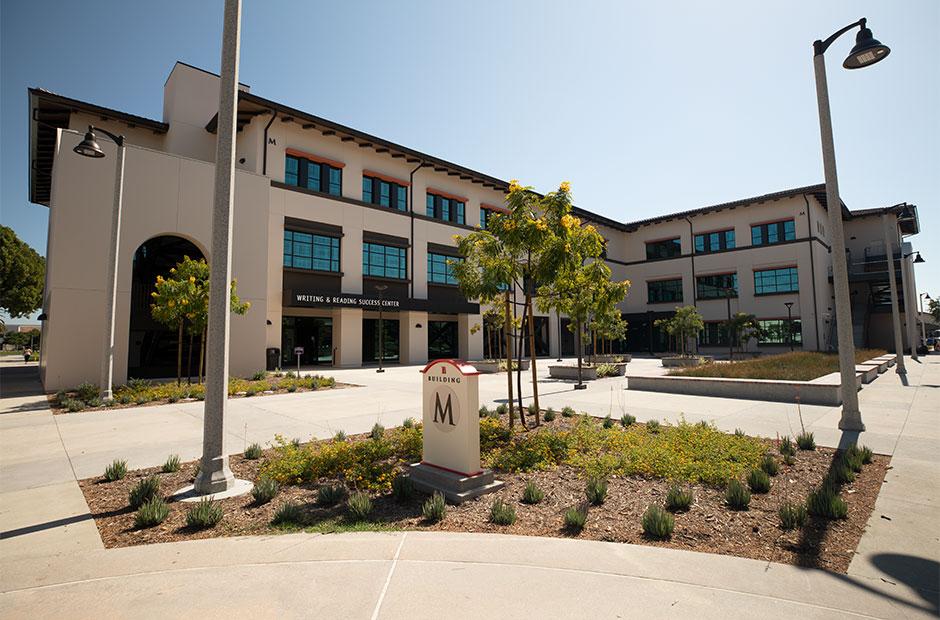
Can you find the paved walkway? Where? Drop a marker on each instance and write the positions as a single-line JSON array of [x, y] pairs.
[[53, 565]]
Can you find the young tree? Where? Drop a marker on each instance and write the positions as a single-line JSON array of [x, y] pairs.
[[22, 275], [933, 307], [741, 328], [685, 324]]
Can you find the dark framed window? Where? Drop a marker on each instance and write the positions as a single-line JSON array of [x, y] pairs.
[[385, 261], [775, 232], [664, 291], [440, 271], [303, 250], [770, 281], [446, 209], [714, 334], [384, 193], [775, 331], [715, 287], [714, 241], [443, 339], [667, 248], [485, 215], [314, 175]]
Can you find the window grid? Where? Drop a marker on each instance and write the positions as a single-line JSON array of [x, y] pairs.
[[385, 261], [446, 209], [775, 232], [713, 287], [714, 334], [666, 248], [769, 281], [439, 271], [664, 291], [317, 176], [309, 251], [774, 331], [714, 241]]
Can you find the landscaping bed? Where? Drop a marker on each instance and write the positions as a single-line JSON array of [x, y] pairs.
[[796, 366], [640, 464], [140, 392]]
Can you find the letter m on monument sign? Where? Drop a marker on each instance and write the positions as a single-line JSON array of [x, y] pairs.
[[446, 412]]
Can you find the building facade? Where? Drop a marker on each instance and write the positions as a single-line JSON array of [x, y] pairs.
[[341, 243]]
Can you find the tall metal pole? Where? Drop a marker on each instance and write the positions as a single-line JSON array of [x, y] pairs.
[[923, 327], [730, 339], [909, 295], [851, 416], [107, 366], [789, 306], [381, 289], [892, 281], [214, 473]]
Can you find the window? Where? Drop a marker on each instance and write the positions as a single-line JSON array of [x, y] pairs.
[[714, 241], [439, 271], [664, 291], [714, 334], [775, 232], [385, 261], [663, 249], [444, 208], [384, 193], [770, 281], [309, 251], [715, 287], [774, 331], [320, 177], [485, 215]]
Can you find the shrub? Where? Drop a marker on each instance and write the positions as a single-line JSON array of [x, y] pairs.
[[608, 421], [339, 435], [738, 432], [532, 410], [153, 512], [402, 488], [627, 420], [206, 513], [253, 452], [87, 391], [141, 400], [575, 518], [484, 411], [251, 391], [378, 431], [841, 473], [137, 385], [291, 387], [116, 470], [144, 491], [596, 490], [791, 515], [653, 426], [532, 494], [789, 459], [288, 512], [657, 523], [502, 513], [606, 370], [549, 415], [678, 499], [737, 496], [787, 448], [825, 502], [759, 481], [359, 506], [124, 399], [769, 465], [434, 508], [73, 405], [172, 464], [805, 441], [295, 442], [867, 455], [410, 422], [493, 434], [259, 376], [331, 494], [853, 458], [265, 490], [502, 409], [95, 402], [567, 412], [703, 424]]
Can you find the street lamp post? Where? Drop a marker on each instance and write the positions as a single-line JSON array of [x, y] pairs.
[[892, 283], [907, 286], [867, 51], [789, 305], [381, 288], [728, 291], [920, 302], [89, 148]]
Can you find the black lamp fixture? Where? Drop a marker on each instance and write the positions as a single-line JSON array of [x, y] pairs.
[[919, 259], [89, 146], [867, 51]]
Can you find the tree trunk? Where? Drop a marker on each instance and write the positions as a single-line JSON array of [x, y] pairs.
[[594, 347], [580, 344], [507, 337], [202, 354], [520, 345], [189, 360], [179, 354], [535, 384]]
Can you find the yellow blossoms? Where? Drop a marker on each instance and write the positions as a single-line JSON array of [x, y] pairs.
[[565, 186]]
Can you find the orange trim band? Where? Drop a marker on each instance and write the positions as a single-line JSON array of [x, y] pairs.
[[708, 232], [316, 158], [666, 279], [719, 273], [756, 269], [385, 177], [444, 194], [484, 205]]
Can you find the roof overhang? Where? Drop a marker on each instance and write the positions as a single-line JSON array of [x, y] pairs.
[[908, 220]]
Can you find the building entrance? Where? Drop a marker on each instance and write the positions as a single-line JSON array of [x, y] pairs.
[[314, 334], [370, 340], [442, 340]]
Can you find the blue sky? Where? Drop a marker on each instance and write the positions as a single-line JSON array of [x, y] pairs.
[[645, 107]]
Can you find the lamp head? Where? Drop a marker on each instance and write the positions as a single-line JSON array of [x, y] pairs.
[[89, 146], [867, 51], [919, 259]]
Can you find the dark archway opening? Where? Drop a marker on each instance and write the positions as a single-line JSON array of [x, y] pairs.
[[151, 350]]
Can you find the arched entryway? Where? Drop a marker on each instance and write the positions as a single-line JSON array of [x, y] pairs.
[[151, 348]]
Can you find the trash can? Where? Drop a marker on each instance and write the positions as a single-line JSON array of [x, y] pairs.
[[274, 358]]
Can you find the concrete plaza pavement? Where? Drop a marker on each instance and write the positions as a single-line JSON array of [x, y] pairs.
[[53, 563]]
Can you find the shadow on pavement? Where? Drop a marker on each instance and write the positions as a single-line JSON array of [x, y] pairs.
[[920, 574]]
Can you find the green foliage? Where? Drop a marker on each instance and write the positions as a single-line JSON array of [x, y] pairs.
[[253, 452], [288, 513], [739, 432], [686, 323], [73, 405], [608, 421], [787, 448], [532, 410], [22, 275], [434, 508], [502, 513], [407, 443], [769, 465], [171, 465], [567, 412], [759, 481], [737, 496], [359, 506], [532, 494], [410, 422], [204, 514], [87, 391], [265, 490], [606, 370], [402, 488], [627, 420], [805, 441], [575, 519], [867, 455], [657, 523], [537, 450], [502, 409], [853, 458], [549, 415], [825, 502], [153, 512], [484, 411], [789, 459], [493, 435], [251, 391], [596, 490], [94, 402], [144, 491], [796, 366], [678, 499], [331, 494], [378, 431], [653, 426], [258, 376], [116, 470], [841, 473], [791, 515], [295, 442]]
